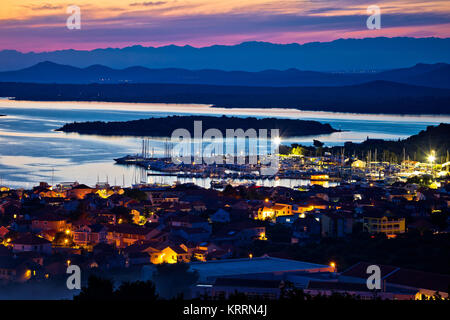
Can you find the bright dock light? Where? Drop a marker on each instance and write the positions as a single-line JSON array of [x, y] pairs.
[[277, 140]]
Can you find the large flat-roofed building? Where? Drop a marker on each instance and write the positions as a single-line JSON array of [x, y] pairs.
[[254, 277], [425, 285], [211, 270]]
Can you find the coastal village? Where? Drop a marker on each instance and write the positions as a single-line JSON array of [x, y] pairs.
[[227, 233], [243, 159]]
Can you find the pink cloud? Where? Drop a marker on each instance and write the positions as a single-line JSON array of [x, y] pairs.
[[48, 32]]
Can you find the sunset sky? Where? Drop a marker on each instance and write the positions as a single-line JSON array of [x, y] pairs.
[[30, 25]]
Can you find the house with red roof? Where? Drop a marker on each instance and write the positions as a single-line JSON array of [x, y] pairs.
[[124, 235], [157, 252], [49, 222], [31, 243]]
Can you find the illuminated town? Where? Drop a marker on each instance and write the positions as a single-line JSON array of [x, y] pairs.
[[225, 159], [237, 237]]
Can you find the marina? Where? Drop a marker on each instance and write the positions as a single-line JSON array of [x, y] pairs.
[[28, 126]]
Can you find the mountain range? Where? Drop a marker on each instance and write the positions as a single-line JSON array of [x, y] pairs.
[[343, 55], [432, 75]]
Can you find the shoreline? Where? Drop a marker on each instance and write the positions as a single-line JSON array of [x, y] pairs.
[[211, 107]]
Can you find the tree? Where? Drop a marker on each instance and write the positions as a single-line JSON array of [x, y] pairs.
[[139, 290], [278, 233], [298, 151], [80, 211], [103, 289], [123, 213], [147, 213], [423, 180], [97, 289], [440, 218], [229, 191], [62, 239], [318, 144], [282, 149], [136, 194], [173, 280], [290, 292]]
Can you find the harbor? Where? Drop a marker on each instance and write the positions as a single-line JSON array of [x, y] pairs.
[[293, 171], [29, 125]]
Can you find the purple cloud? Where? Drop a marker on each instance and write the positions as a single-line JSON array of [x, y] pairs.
[[140, 28]]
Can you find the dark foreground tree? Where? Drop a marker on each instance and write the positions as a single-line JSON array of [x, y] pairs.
[[103, 289], [97, 289], [174, 280], [139, 290]]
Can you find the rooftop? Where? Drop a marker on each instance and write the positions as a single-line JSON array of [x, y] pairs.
[[221, 268], [249, 283], [402, 276], [352, 287], [30, 239], [129, 229]]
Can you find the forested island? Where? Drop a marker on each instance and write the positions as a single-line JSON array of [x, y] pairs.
[[163, 127]]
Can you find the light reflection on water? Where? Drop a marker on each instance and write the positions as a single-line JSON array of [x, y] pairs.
[[30, 151]]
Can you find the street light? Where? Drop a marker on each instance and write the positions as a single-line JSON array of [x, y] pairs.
[[333, 265]]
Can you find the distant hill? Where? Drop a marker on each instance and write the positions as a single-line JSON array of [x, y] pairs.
[[340, 55], [433, 75], [373, 97], [416, 147], [163, 127]]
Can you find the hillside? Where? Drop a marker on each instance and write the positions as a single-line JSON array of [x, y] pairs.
[[416, 147], [433, 75]]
